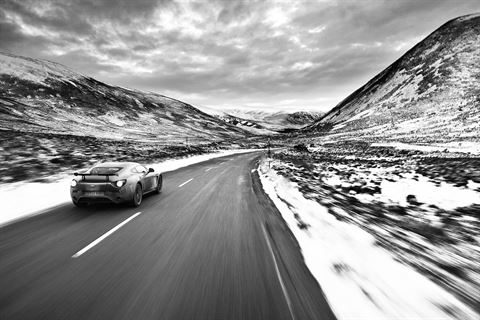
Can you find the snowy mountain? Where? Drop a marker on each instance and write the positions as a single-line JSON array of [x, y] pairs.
[[45, 97], [430, 94], [265, 122], [302, 118]]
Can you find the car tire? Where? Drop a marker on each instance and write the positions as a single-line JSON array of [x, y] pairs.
[[79, 204], [158, 190], [137, 196]]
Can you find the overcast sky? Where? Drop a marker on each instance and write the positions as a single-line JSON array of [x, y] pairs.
[[227, 54]]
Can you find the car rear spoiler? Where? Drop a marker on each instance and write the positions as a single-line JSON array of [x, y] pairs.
[[106, 175]]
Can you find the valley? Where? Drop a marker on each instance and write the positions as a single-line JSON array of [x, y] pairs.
[[379, 196]]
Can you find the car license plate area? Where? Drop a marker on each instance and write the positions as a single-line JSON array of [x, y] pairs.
[[94, 194], [93, 187]]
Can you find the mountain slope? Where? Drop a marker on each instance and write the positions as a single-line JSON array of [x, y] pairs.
[[430, 94], [302, 118], [42, 96]]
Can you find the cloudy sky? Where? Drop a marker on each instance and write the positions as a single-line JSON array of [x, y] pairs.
[[224, 54]]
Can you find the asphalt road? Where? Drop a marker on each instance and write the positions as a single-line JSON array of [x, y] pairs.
[[210, 246]]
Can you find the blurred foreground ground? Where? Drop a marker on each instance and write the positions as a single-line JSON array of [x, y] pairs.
[[422, 208]]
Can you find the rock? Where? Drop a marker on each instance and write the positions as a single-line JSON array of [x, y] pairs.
[[301, 148], [371, 190], [397, 210], [412, 199]]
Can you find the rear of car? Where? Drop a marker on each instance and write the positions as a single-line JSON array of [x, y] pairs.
[[100, 184]]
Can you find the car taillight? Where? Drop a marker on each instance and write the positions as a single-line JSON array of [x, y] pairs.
[[120, 183]]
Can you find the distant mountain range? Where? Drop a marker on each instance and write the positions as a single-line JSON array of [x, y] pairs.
[[431, 93], [265, 122], [46, 97]]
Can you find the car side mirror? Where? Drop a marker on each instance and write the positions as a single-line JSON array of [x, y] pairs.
[[151, 170]]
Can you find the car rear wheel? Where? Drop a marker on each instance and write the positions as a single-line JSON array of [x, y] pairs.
[[137, 196], [159, 185], [79, 204]]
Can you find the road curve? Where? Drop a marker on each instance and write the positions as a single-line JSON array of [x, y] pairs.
[[210, 246]]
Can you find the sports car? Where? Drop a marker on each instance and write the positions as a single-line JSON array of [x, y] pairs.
[[115, 182]]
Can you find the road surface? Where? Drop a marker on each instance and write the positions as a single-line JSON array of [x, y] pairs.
[[210, 246]]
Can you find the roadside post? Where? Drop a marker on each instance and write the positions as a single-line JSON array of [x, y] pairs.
[[269, 153]]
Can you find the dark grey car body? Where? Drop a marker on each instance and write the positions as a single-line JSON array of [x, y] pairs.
[[115, 182]]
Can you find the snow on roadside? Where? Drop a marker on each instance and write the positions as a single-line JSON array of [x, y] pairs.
[[360, 280], [23, 199]]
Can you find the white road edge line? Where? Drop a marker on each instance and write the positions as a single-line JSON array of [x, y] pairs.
[[279, 276], [98, 240], [185, 183]]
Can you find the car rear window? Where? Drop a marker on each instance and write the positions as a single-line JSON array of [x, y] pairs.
[[139, 169], [104, 170]]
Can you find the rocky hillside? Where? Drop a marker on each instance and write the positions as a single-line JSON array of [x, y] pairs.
[[302, 118], [430, 94], [45, 97]]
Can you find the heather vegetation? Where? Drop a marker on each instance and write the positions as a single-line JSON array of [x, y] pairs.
[[39, 156]]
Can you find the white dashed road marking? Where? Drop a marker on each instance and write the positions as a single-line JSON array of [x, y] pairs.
[[279, 276], [185, 183], [209, 169], [94, 243]]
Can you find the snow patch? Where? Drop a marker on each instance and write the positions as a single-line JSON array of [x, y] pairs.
[[113, 118], [139, 104], [6, 102], [339, 126], [360, 115], [72, 83], [445, 196], [469, 17], [464, 147], [432, 49]]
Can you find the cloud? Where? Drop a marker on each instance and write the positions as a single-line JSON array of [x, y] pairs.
[[256, 52], [317, 29]]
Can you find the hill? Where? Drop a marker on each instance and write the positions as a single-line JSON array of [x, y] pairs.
[[430, 94], [46, 97]]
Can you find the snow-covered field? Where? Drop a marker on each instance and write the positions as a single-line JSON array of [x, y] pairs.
[[42, 196], [361, 279], [466, 147], [396, 189]]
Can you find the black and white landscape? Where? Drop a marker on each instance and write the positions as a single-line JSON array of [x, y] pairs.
[[320, 160]]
